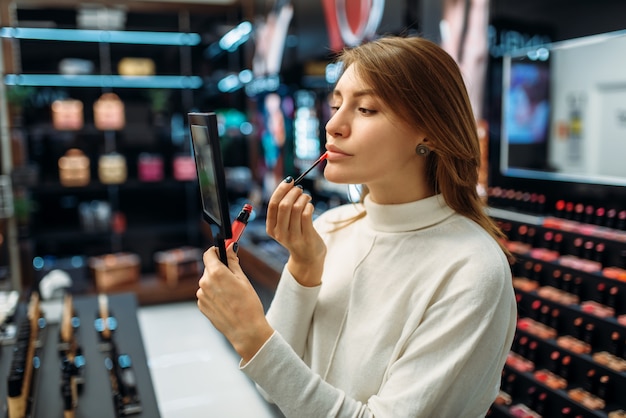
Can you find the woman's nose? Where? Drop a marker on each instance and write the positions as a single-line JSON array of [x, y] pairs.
[[337, 126]]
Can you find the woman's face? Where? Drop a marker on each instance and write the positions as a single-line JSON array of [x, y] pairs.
[[368, 144]]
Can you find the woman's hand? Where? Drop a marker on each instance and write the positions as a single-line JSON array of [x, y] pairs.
[[290, 222], [228, 300]]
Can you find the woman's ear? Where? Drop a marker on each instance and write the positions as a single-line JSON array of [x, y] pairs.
[[424, 147]]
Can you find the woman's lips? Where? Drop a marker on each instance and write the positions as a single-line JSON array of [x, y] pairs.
[[334, 153]]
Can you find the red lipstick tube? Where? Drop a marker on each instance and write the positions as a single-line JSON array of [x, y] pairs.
[[240, 224]]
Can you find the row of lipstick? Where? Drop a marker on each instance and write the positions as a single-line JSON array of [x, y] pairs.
[[572, 261], [537, 399], [599, 215], [606, 308], [582, 340], [526, 238]]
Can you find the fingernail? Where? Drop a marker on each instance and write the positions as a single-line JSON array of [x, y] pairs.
[[288, 179], [300, 186], [235, 247]]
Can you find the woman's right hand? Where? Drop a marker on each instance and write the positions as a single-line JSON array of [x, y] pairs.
[[290, 222]]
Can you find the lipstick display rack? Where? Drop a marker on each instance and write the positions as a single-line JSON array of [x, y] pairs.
[[568, 357], [91, 362]]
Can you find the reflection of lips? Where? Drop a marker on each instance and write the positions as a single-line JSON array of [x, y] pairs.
[[352, 21]]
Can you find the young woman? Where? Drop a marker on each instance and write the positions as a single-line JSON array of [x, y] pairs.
[[401, 305]]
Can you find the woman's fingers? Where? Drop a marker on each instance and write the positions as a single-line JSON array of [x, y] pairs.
[[296, 230], [284, 215], [272, 206]]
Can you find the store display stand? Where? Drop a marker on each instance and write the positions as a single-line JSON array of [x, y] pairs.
[[95, 398]]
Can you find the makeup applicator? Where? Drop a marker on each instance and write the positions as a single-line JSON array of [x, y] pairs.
[[319, 160]]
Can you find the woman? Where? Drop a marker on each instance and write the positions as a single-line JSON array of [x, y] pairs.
[[401, 305]]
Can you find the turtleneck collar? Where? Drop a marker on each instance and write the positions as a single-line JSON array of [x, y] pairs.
[[406, 216]]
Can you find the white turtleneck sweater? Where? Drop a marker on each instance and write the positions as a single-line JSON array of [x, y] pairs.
[[414, 318]]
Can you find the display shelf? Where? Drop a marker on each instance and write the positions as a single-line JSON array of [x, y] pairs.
[[99, 36], [152, 290], [104, 81], [95, 399], [542, 264]]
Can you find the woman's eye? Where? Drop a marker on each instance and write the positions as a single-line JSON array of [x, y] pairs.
[[366, 111]]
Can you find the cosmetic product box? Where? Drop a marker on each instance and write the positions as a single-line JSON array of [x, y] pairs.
[[133, 66], [67, 115], [109, 113], [184, 168], [184, 263], [111, 270], [112, 168], [74, 168], [150, 167]]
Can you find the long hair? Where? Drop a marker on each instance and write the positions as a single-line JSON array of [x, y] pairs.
[[425, 87]]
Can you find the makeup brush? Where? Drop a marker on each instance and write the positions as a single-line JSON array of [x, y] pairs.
[[319, 160]]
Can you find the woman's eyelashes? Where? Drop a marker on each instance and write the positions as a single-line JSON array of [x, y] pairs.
[[366, 111]]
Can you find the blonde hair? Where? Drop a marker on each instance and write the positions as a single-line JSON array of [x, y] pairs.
[[424, 86]]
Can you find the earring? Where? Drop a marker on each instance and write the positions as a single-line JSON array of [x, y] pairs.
[[422, 150]]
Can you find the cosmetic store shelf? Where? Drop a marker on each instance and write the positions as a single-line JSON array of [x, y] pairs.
[[95, 399], [569, 279], [563, 400]]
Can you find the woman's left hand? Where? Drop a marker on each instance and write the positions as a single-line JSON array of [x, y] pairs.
[[228, 300]]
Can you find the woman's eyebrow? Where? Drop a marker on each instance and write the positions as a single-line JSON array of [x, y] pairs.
[[358, 93]]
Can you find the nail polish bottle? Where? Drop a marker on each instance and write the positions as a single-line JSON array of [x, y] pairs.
[[554, 319], [564, 369], [556, 278], [615, 343], [532, 351], [599, 253], [578, 328], [522, 232], [535, 307], [599, 216], [579, 209], [567, 282], [538, 272], [609, 221], [555, 361], [530, 236], [621, 220], [577, 286], [510, 383], [578, 247], [548, 236], [528, 268], [601, 289], [589, 211], [569, 210], [591, 380], [588, 250], [560, 208], [541, 204], [612, 298], [589, 333], [603, 387], [522, 346], [557, 241]]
